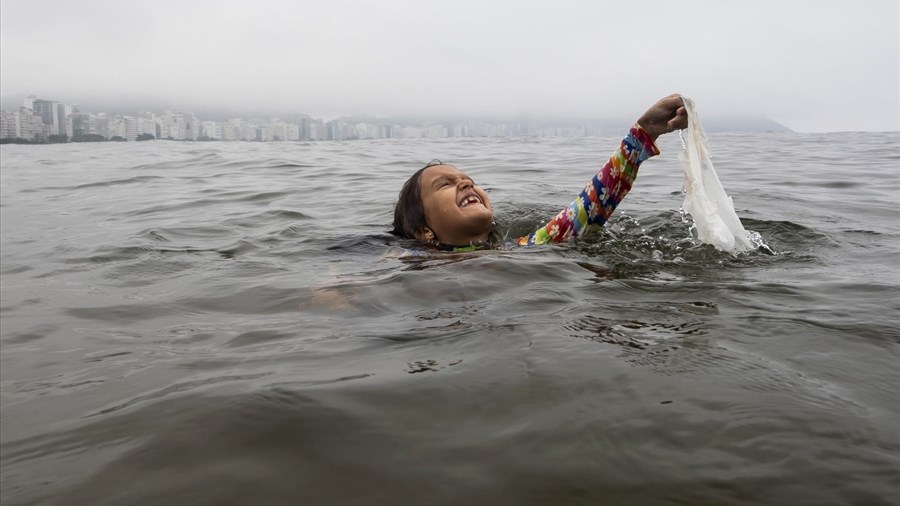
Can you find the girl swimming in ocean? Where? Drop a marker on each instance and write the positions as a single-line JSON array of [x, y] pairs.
[[441, 206]]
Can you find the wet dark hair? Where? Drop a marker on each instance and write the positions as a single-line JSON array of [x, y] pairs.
[[409, 212]]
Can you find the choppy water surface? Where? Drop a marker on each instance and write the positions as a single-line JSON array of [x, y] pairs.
[[227, 323]]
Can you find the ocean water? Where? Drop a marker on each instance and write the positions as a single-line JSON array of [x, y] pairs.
[[230, 323]]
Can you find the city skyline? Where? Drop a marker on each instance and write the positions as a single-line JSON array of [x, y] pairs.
[[39, 120]]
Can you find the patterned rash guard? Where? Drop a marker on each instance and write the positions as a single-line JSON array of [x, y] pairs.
[[601, 195]]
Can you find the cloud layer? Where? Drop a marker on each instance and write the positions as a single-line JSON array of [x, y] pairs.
[[824, 65]]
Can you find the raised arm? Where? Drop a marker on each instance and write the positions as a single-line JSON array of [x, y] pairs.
[[601, 195], [608, 187]]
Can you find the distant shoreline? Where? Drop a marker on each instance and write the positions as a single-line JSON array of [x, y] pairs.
[[42, 121]]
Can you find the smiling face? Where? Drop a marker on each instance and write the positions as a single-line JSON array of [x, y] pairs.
[[457, 212]]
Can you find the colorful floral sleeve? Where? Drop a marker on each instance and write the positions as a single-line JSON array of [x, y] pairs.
[[601, 195]]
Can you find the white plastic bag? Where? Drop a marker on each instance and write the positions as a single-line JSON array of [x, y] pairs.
[[704, 197]]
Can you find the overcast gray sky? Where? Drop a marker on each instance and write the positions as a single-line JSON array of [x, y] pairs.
[[813, 65]]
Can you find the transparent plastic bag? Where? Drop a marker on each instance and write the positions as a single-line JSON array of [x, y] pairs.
[[704, 197]]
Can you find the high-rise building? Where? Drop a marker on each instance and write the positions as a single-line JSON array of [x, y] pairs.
[[292, 132], [212, 130], [182, 125], [101, 125], [131, 128], [9, 124], [81, 125], [62, 111], [304, 124], [47, 110], [29, 124]]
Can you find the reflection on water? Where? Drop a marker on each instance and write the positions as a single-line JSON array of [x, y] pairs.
[[231, 323]]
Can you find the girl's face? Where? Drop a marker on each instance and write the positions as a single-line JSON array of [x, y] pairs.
[[458, 213]]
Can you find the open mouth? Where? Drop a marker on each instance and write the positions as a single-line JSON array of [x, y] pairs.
[[470, 199]]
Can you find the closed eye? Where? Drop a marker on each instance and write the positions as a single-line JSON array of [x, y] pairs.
[[445, 182]]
